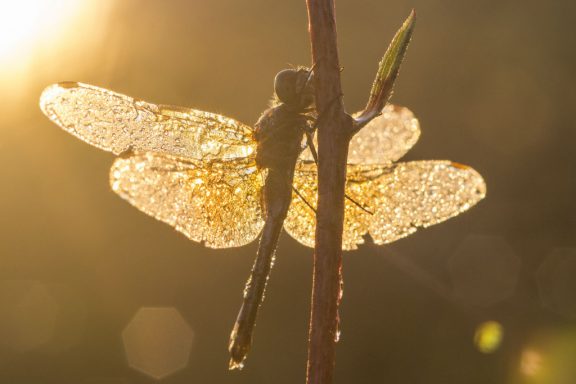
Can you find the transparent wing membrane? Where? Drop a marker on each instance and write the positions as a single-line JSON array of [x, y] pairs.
[[301, 220], [215, 202], [385, 139], [420, 194], [402, 197], [196, 170], [117, 123]]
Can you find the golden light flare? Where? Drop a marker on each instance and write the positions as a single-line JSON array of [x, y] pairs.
[[33, 31], [26, 23]]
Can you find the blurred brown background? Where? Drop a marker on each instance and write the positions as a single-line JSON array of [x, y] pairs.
[[94, 291]]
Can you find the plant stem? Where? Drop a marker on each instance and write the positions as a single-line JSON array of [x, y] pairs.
[[334, 134]]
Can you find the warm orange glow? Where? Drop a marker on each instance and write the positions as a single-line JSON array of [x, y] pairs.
[[531, 362], [31, 30]]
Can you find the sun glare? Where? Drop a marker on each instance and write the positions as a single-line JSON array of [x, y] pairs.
[[24, 23], [16, 25], [33, 31]]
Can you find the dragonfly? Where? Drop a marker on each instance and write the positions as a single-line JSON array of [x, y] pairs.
[[224, 183]]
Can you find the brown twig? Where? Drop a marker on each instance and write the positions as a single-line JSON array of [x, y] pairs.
[[334, 134]]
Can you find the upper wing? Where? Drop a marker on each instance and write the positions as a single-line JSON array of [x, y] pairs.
[[214, 202], [117, 123], [401, 197], [384, 140]]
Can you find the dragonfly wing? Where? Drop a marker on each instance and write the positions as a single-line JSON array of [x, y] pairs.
[[384, 140], [215, 202], [422, 193], [401, 197], [118, 123], [301, 220]]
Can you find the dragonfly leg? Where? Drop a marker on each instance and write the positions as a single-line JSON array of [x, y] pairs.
[[303, 199]]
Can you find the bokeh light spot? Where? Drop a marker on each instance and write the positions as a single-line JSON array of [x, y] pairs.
[[157, 341], [28, 315], [548, 357], [488, 336], [105, 380], [484, 270], [556, 282], [530, 362]]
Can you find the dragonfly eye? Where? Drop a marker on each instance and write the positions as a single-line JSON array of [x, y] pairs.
[[294, 87]]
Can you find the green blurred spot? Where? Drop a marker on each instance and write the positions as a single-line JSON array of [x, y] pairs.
[[488, 336]]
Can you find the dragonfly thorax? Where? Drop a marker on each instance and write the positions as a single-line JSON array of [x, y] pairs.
[[280, 129], [279, 134]]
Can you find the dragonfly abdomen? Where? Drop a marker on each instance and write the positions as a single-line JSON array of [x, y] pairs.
[[279, 133], [277, 197]]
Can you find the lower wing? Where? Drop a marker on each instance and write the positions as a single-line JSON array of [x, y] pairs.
[[401, 198], [214, 202]]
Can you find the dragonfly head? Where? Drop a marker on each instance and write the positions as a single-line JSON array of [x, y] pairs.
[[294, 87]]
